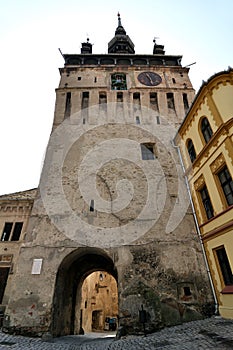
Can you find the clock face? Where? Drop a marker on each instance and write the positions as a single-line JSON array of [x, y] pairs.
[[149, 78]]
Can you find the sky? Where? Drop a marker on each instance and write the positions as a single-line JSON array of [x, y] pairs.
[[32, 31]]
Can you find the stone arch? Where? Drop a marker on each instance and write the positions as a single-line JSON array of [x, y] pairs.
[[72, 271]]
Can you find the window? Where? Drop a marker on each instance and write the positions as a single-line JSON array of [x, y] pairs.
[[85, 103], [11, 232], [191, 150], [4, 272], [206, 129], [85, 99], [17, 231], [92, 208], [137, 120], [103, 101], [170, 101], [147, 150], [102, 97], [173, 80], [227, 184], [119, 97], [185, 102], [136, 101], [224, 266], [154, 101], [68, 105], [7, 231], [136, 97], [118, 81], [187, 291], [79, 78], [206, 202], [158, 119]]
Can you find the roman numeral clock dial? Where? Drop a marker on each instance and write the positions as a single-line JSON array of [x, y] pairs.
[[149, 78]]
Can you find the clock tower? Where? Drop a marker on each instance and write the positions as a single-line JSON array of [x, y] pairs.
[[112, 198]]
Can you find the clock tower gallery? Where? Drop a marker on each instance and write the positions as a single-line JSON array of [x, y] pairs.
[[111, 197]]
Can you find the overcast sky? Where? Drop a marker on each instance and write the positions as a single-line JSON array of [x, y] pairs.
[[32, 31]]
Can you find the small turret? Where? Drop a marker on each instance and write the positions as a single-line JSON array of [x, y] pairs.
[[86, 47], [158, 49]]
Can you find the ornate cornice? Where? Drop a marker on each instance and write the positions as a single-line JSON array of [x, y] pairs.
[[199, 183], [217, 163]]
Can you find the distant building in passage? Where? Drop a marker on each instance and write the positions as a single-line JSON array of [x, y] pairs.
[[99, 302], [206, 143]]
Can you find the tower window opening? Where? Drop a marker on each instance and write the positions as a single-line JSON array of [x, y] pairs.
[[147, 150], [92, 208], [170, 101], [84, 121], [68, 105], [185, 102], [79, 78], [154, 101], [102, 97], [173, 80], [118, 81], [136, 97], [85, 99], [136, 101], [119, 97], [158, 119], [137, 120], [103, 101]]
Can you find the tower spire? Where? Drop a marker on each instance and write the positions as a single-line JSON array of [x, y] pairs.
[[121, 43], [119, 19]]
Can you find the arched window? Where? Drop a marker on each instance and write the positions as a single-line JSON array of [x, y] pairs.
[[206, 129], [191, 150]]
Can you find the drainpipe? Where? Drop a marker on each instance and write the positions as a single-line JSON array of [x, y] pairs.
[[198, 230]]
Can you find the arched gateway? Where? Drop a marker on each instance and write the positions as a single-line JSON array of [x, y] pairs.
[[72, 271]]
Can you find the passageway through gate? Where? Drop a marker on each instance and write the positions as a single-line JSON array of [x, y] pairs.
[[67, 313]]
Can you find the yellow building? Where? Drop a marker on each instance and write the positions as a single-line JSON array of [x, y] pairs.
[[99, 305], [205, 140]]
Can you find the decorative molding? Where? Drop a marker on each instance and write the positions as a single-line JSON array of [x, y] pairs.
[[199, 183], [217, 163], [17, 209], [6, 259]]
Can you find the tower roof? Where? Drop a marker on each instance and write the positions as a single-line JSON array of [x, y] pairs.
[[121, 43]]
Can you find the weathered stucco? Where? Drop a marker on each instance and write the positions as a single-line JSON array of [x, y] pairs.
[[162, 268]]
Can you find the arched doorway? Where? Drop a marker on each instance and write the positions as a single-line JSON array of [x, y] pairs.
[[75, 267]]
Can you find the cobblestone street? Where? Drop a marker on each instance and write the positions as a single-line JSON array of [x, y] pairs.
[[214, 333]]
